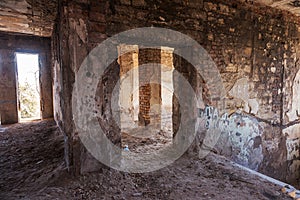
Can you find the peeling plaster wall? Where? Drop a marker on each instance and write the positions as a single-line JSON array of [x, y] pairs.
[[241, 92], [10, 44], [71, 45], [240, 139], [292, 123], [255, 49], [294, 108]]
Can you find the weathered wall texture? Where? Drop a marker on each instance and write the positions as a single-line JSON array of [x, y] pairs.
[[150, 90], [10, 44], [256, 50], [8, 92], [27, 16], [129, 86]]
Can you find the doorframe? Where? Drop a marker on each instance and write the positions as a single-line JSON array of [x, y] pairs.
[[17, 80]]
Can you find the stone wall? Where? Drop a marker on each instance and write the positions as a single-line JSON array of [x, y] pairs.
[[10, 44], [255, 48]]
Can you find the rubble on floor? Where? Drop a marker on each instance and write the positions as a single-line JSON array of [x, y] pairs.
[[32, 167]]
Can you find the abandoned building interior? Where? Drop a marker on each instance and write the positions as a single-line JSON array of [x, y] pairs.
[[251, 56]]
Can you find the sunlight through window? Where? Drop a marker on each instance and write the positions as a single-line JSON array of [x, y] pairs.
[[28, 86]]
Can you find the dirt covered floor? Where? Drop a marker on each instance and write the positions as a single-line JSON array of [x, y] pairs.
[[32, 167], [31, 156], [146, 140]]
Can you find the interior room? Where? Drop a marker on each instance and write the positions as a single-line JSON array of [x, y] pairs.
[[149, 99]]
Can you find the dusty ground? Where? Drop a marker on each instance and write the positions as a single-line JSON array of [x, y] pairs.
[[32, 167], [141, 140], [31, 155], [149, 138]]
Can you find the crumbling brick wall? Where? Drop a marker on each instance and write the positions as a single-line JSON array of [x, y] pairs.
[[11, 44], [255, 48]]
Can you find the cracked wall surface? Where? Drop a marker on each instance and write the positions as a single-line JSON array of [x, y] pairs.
[[255, 49], [292, 121], [240, 139]]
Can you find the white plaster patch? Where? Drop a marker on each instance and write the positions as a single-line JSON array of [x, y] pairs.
[[293, 132], [240, 90], [56, 92], [254, 106], [80, 28], [292, 148], [273, 69], [244, 134], [295, 105]]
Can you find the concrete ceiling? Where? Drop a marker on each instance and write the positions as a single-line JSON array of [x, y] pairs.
[[37, 16], [28, 16]]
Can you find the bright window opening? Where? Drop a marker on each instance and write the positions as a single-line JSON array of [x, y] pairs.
[[28, 86]]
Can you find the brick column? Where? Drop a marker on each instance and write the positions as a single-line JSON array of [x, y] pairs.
[[167, 88], [128, 83], [150, 93]]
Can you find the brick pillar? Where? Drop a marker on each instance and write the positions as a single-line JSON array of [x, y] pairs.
[[8, 86], [150, 93], [128, 84], [167, 88], [184, 107]]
